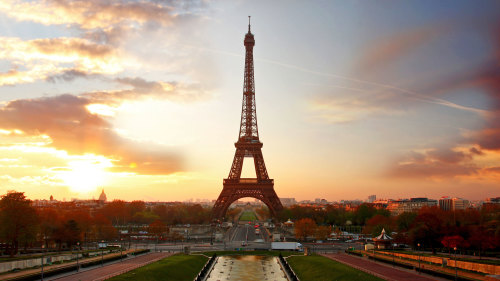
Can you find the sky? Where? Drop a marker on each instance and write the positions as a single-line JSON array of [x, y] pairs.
[[143, 98]]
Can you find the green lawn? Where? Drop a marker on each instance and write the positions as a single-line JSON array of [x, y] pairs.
[[318, 268], [176, 268], [248, 216]]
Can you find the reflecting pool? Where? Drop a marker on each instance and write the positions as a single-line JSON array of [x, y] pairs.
[[247, 268]]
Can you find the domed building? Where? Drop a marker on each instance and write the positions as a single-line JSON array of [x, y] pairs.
[[102, 197]]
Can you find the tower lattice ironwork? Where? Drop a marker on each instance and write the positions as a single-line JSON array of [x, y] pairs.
[[248, 145]]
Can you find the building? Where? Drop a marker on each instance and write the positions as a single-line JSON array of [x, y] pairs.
[[451, 204], [102, 197], [372, 198], [398, 207], [491, 203], [288, 201]]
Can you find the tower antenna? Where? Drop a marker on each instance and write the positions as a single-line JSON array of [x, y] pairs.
[[248, 146]]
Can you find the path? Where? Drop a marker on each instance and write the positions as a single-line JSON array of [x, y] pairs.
[[47, 268], [377, 269], [115, 269]]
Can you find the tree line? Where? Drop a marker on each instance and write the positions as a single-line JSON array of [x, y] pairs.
[[430, 227], [24, 226]]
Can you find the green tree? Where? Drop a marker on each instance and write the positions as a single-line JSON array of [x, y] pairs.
[[18, 220]]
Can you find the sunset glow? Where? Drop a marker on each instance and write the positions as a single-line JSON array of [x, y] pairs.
[[144, 98], [85, 176]]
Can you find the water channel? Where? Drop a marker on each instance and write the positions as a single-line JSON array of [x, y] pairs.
[[247, 268]]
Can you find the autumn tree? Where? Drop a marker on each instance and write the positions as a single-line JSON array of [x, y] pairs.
[[304, 228], [375, 225], [427, 228], [451, 242], [481, 240], [263, 212], [49, 222], [18, 220], [157, 228], [322, 232]]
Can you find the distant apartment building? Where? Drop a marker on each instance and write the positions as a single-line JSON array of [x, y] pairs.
[[397, 207], [372, 198], [450, 204], [288, 201], [491, 203]]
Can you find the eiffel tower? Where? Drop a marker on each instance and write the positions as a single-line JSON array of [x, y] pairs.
[[248, 145]]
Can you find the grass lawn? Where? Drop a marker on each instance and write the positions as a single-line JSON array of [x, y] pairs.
[[176, 268], [248, 216], [318, 268]]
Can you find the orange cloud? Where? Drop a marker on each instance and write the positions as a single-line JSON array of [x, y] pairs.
[[71, 127], [443, 163], [88, 14]]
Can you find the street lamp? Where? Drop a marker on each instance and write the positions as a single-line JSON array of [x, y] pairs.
[[121, 249], [393, 263], [42, 267], [456, 272], [418, 245], [102, 253], [77, 253]]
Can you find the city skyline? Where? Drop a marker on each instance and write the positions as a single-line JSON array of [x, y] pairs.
[[143, 98]]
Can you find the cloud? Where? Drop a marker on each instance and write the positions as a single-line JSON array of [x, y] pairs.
[[387, 50], [72, 128], [142, 89], [434, 163], [89, 14], [56, 58], [67, 75]]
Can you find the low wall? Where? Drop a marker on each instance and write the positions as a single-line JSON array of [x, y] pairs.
[[28, 263], [472, 266]]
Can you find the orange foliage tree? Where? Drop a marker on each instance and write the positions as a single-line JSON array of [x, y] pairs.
[[304, 228]]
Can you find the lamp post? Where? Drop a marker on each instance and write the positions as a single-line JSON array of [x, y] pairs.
[[456, 272], [393, 262], [121, 249], [418, 245], [77, 253], [102, 253], [42, 268]]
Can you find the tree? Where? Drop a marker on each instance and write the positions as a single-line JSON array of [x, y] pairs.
[[427, 228], [49, 221], [375, 225], [481, 239], [363, 213], [157, 228], [304, 228], [322, 232], [452, 242], [18, 220], [405, 220]]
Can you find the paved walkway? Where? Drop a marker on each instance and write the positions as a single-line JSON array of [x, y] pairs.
[[115, 269], [48, 268], [377, 269]]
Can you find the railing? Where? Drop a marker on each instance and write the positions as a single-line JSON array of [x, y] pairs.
[[249, 180], [288, 270], [205, 271]]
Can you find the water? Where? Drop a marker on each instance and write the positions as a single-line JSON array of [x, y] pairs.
[[247, 268]]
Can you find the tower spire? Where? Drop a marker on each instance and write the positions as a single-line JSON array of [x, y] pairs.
[[248, 145]]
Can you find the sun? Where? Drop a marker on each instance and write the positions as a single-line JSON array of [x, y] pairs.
[[85, 175]]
